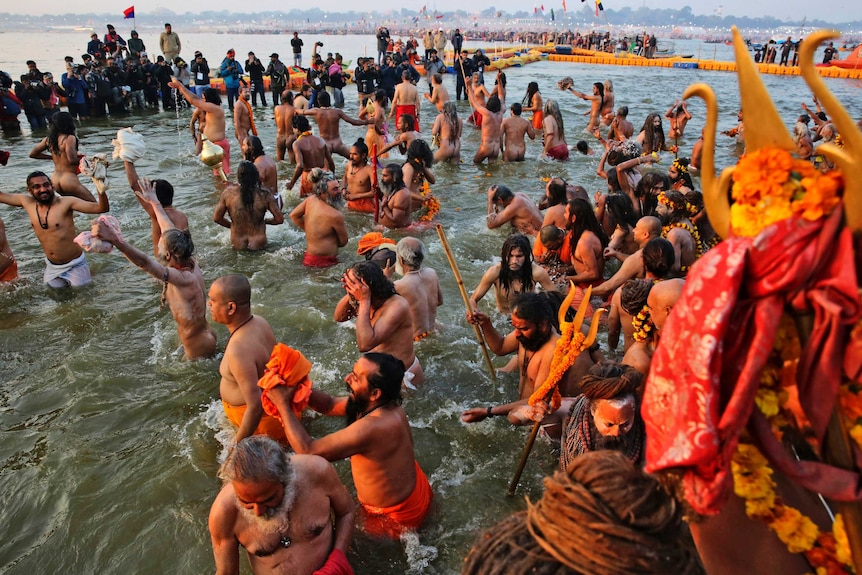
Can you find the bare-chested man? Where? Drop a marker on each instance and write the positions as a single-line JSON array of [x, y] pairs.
[[393, 492], [320, 217], [358, 173], [439, 94], [184, 282], [473, 86], [395, 207], [516, 273], [647, 228], [311, 152], [285, 137], [555, 146], [597, 101], [165, 194], [8, 263], [517, 208], [375, 110], [607, 111], [249, 347], [214, 127], [61, 146], [383, 320], [447, 134], [492, 118], [419, 286], [514, 129], [247, 204], [52, 219], [672, 212], [533, 338], [267, 170], [243, 121], [406, 99], [279, 507], [621, 128], [327, 119], [406, 134], [588, 241], [678, 115]]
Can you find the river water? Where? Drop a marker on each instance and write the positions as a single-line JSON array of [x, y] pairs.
[[109, 443]]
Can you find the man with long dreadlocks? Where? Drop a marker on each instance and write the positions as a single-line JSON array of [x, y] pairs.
[[247, 204], [515, 274], [446, 133], [601, 515], [183, 279]]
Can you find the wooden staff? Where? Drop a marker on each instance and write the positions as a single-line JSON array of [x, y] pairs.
[[374, 187], [479, 335]]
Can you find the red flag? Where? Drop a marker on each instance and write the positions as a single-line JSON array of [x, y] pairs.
[[129, 12], [564, 5], [543, 8]]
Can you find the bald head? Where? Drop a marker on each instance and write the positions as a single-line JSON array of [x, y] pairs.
[[662, 297], [234, 288], [647, 228]]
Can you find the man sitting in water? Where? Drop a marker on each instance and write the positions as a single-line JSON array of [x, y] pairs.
[[383, 320], [184, 281], [393, 491], [320, 217], [419, 286], [249, 347], [513, 275], [280, 508], [65, 264], [247, 204], [310, 152], [506, 206], [514, 129], [395, 207]]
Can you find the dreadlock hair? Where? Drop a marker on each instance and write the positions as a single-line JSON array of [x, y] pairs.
[[677, 205], [610, 381], [249, 182], [553, 109], [634, 295], [582, 218], [450, 112], [631, 523], [62, 124], [525, 274], [653, 135], [532, 88], [619, 206], [644, 190], [362, 148], [658, 256], [256, 146], [419, 152]]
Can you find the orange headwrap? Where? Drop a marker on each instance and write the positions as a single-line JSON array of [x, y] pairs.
[[289, 367], [370, 241]]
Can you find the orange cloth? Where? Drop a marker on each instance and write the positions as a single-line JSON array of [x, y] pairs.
[[370, 241], [225, 163], [565, 250], [336, 564], [538, 118], [579, 297], [268, 426], [365, 205], [305, 185], [286, 366], [10, 273], [250, 115], [408, 515]]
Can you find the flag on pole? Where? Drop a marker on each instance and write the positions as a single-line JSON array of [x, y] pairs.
[[129, 12], [599, 6], [535, 9], [552, 15], [543, 8], [564, 5]]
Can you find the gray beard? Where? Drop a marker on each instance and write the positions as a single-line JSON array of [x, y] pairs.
[[276, 520], [387, 188], [336, 202]]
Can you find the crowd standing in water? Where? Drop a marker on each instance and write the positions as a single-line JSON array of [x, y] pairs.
[[650, 221]]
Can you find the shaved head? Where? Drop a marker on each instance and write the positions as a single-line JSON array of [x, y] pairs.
[[662, 297]]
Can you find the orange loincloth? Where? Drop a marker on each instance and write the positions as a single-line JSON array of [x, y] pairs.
[[286, 366], [538, 118], [268, 426], [408, 515], [10, 273], [305, 185], [365, 205], [565, 250], [336, 564]]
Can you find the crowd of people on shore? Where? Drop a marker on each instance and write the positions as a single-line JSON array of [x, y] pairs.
[[630, 247]]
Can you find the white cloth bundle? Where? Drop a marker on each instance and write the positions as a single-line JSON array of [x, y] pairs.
[[129, 146], [91, 243]]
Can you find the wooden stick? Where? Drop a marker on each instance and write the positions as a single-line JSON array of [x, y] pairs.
[[525, 455], [454, 265]]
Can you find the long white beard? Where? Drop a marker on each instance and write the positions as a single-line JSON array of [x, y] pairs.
[[276, 520]]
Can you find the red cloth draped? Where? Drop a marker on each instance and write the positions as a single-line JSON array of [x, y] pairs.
[[705, 372]]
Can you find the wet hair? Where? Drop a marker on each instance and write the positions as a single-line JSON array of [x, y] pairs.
[[613, 179], [623, 111], [320, 179], [323, 100], [493, 105], [62, 124], [620, 208], [361, 147], [300, 123], [420, 150], [397, 175], [372, 274], [532, 88], [256, 146], [634, 294], [502, 194], [525, 274], [380, 97], [516, 108], [387, 377], [553, 109], [582, 147], [164, 192], [287, 97], [36, 174], [411, 251], [248, 179], [644, 190], [212, 96], [659, 257], [257, 459], [534, 307], [582, 218], [450, 112], [653, 135], [410, 120], [179, 244], [557, 191]]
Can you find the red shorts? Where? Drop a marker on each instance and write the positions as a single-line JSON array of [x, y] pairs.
[[311, 261], [560, 152]]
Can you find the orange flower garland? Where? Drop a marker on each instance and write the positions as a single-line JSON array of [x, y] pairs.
[[643, 325], [431, 204], [769, 185]]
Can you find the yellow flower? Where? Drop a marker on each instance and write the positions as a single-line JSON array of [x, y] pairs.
[[842, 544], [767, 401], [794, 529]]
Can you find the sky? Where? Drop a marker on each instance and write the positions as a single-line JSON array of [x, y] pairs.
[[837, 11]]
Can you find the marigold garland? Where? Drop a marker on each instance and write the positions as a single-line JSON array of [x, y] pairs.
[[431, 204], [769, 185], [642, 322], [698, 245]]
